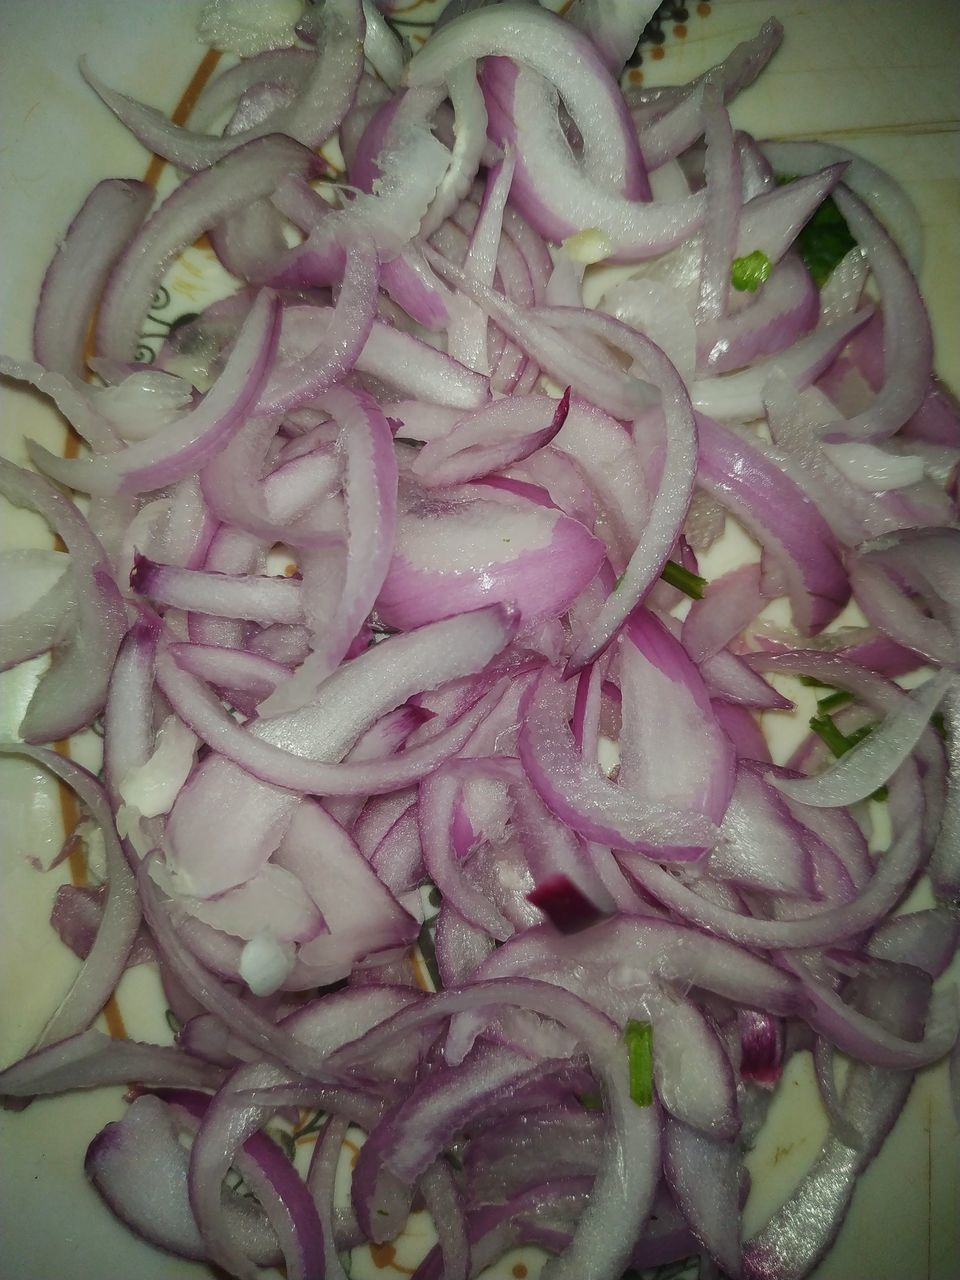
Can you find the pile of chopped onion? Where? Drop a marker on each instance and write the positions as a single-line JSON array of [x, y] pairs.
[[462, 831]]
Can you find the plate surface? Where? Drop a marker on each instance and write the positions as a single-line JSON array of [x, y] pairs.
[[875, 75]]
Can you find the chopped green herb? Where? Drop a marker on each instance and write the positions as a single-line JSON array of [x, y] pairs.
[[285, 1142], [833, 701], [691, 584], [616, 585], [824, 240], [748, 273], [453, 1161], [939, 724], [591, 1101], [840, 742], [429, 954], [638, 1037], [811, 682], [173, 1022], [828, 732]]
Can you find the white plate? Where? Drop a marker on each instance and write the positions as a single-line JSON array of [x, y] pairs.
[[875, 75]]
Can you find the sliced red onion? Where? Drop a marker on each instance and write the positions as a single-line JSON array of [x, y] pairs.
[[250, 173], [702, 1172], [490, 439], [551, 189], [740, 395], [799, 1234], [38, 612], [413, 165], [76, 916], [470, 140], [311, 118], [760, 847], [222, 829], [559, 52], [252, 596], [614, 26], [287, 68], [582, 798], [417, 369], [728, 605], [108, 956], [870, 763], [228, 1133], [128, 716], [681, 125], [908, 341], [452, 556], [623, 1190], [152, 787], [73, 691], [292, 383], [408, 280], [159, 1210], [321, 1181], [945, 858], [672, 751], [292, 777], [929, 561], [331, 869], [691, 1070], [283, 768], [883, 195], [271, 902], [783, 311], [98, 235], [926, 939], [723, 184], [668, 510], [91, 1059], [604, 384], [780, 516], [467, 331], [382, 47], [445, 1206], [198, 435], [370, 493], [828, 925], [761, 1047]]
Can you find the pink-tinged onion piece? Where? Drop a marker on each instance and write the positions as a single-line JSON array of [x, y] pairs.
[[74, 690], [314, 114], [247, 174], [871, 762], [455, 554], [111, 215], [492, 438], [370, 494], [91, 1059], [909, 587], [672, 751], [561, 53], [198, 435], [159, 1210], [108, 956], [585, 800], [781, 516]]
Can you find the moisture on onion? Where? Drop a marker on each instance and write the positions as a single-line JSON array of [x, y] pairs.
[[434, 773]]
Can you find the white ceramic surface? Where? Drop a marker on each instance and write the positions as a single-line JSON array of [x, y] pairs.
[[875, 75]]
